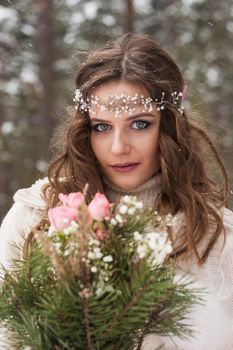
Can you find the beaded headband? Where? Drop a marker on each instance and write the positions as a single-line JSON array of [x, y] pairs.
[[119, 104]]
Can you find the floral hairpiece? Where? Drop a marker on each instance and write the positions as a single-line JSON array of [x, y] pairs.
[[119, 104]]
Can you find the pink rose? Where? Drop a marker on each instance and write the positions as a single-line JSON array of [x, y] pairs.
[[100, 234], [61, 217], [72, 200], [85, 293], [99, 207]]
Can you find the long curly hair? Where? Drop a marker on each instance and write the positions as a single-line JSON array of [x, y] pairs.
[[186, 185]]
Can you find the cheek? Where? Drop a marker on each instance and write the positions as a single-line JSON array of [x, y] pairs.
[[151, 152], [149, 145], [98, 147], [94, 145]]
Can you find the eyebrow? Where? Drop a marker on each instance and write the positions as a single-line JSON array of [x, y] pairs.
[[145, 114]]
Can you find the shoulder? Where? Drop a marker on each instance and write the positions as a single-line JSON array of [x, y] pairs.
[[227, 216], [219, 265], [25, 214], [32, 196], [27, 201], [221, 253], [225, 242], [28, 208], [227, 219]]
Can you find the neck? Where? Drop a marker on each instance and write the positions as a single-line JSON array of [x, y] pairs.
[[146, 192]]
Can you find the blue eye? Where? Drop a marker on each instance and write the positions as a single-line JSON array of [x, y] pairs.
[[140, 124], [100, 127]]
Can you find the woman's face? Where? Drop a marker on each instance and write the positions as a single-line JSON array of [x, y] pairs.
[[126, 146]]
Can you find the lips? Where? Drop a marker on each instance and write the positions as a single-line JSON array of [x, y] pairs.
[[123, 164], [124, 167]]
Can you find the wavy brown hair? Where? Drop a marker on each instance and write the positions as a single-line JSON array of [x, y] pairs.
[[183, 145]]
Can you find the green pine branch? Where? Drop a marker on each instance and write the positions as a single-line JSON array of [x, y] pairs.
[[47, 313]]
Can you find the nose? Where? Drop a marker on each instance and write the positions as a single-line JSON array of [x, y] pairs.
[[120, 143]]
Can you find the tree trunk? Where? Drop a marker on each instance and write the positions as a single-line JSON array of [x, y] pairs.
[[129, 25], [45, 50]]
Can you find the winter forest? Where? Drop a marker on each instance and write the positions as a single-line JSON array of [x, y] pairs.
[[41, 45]]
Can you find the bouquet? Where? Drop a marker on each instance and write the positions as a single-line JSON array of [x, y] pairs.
[[95, 276]]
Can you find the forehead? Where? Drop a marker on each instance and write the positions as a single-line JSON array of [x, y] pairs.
[[120, 98], [120, 87]]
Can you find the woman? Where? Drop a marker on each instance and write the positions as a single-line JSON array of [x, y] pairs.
[[130, 134]]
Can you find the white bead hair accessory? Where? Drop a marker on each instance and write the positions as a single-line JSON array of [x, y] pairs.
[[119, 104]]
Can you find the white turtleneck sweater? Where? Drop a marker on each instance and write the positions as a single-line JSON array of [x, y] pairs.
[[147, 192], [212, 322]]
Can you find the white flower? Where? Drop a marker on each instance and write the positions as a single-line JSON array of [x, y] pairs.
[[123, 209], [139, 205], [58, 245], [108, 258], [159, 259], [94, 269], [153, 244], [126, 199], [74, 224], [91, 255], [131, 210], [66, 253], [98, 253], [113, 222], [99, 291], [71, 229], [137, 236], [51, 231], [94, 242], [119, 218], [142, 251], [96, 249], [66, 231]]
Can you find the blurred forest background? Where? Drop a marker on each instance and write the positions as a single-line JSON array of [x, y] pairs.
[[40, 45]]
